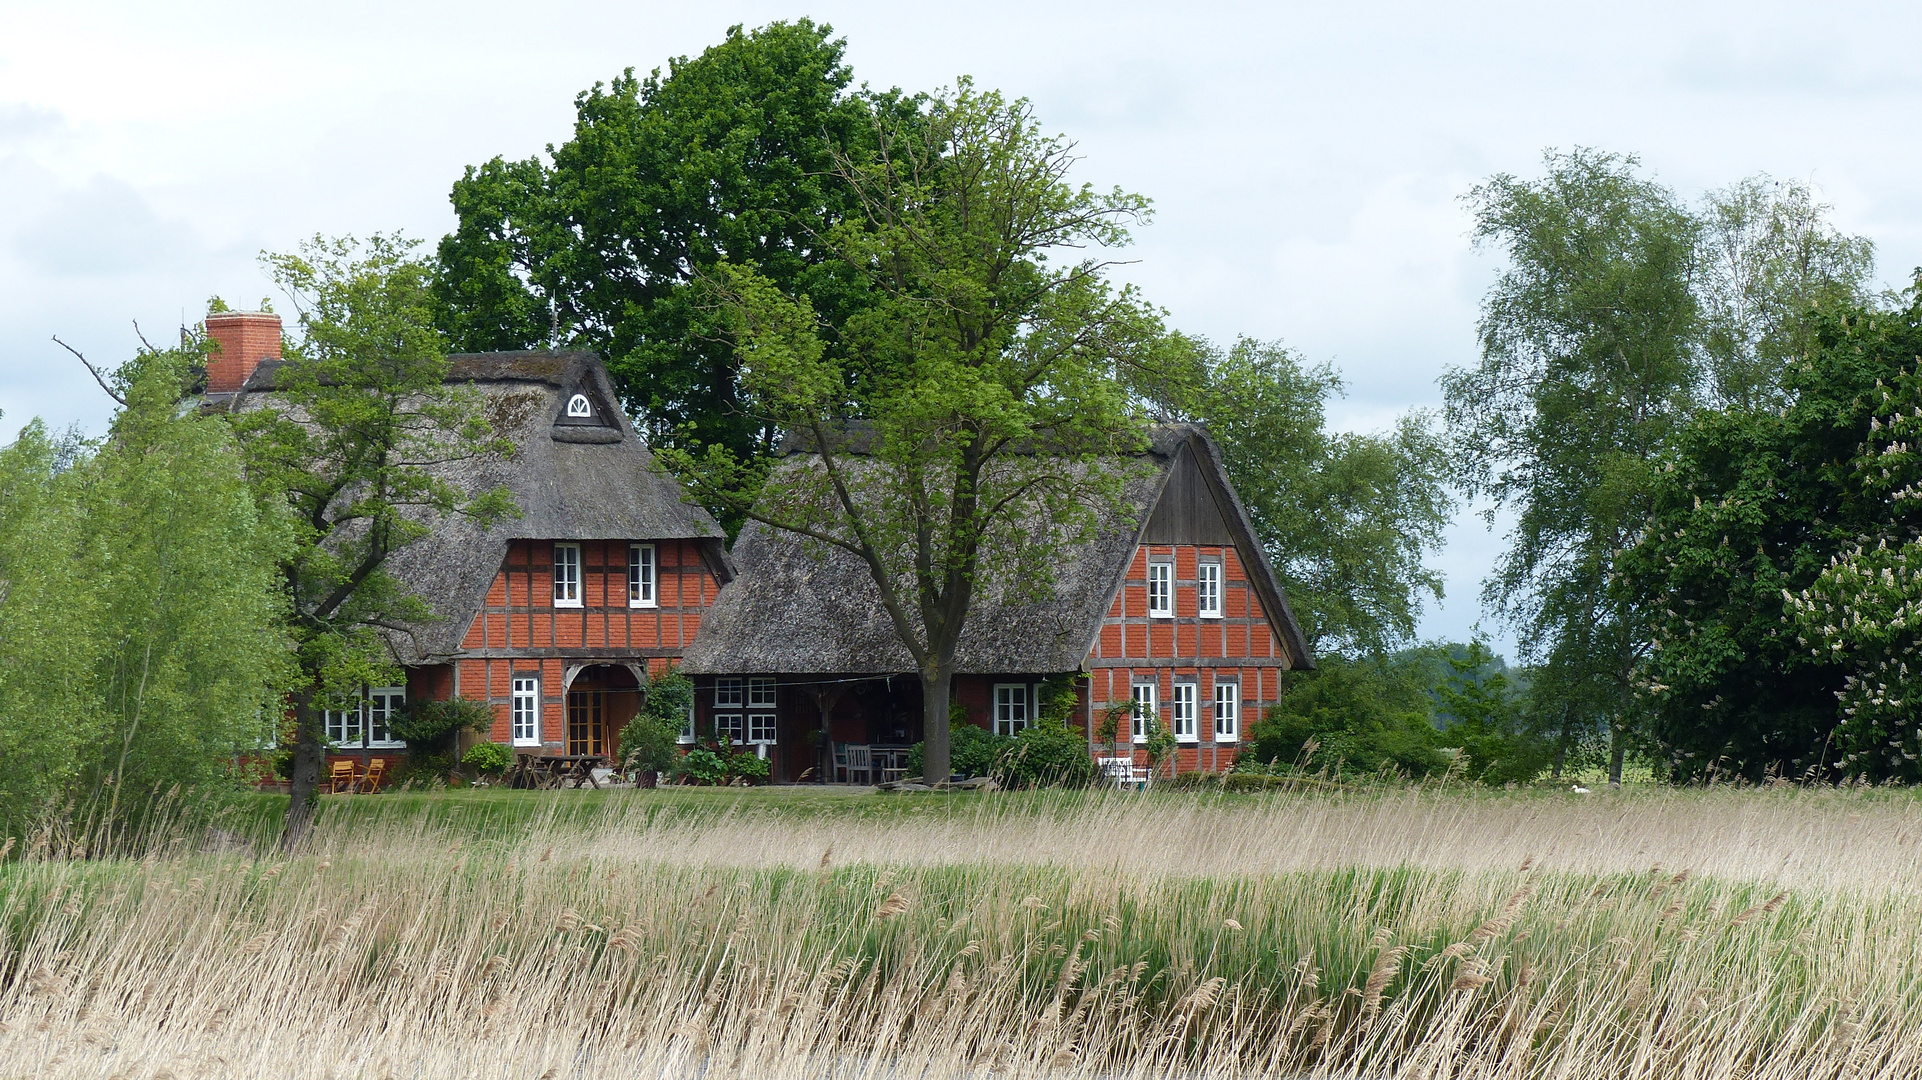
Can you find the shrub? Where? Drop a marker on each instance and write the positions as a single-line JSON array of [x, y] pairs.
[[1496, 746], [1358, 714], [488, 758], [972, 751], [749, 767], [1157, 740], [420, 769], [1047, 754], [430, 725], [700, 766]]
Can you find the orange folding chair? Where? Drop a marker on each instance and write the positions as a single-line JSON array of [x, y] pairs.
[[340, 778], [376, 769]]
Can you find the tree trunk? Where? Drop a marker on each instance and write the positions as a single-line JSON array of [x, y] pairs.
[[936, 761], [1617, 748], [309, 755]]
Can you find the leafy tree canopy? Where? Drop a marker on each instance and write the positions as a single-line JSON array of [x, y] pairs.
[[348, 449], [1346, 518], [736, 156], [953, 441]]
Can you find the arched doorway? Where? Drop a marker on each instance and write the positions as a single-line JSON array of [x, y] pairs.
[[601, 699]]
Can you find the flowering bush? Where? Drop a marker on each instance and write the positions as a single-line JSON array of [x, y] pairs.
[[1864, 610]]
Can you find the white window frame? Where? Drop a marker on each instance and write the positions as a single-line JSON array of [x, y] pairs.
[[1208, 590], [643, 576], [760, 729], [1012, 709], [729, 694], [1227, 711], [687, 728], [760, 693], [567, 586], [732, 724], [346, 727], [1161, 589], [1147, 699], [578, 405], [382, 703], [369, 714], [1184, 705], [524, 710]]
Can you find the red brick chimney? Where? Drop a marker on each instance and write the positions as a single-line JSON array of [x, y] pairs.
[[241, 340]]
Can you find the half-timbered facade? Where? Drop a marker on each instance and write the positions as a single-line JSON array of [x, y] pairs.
[[555, 615], [1171, 603]]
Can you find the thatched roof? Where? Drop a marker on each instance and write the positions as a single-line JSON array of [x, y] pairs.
[[573, 478], [799, 607]]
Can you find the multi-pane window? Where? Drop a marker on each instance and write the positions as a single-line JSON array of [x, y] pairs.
[[728, 726], [727, 694], [382, 704], [1181, 711], [365, 723], [760, 727], [640, 575], [687, 726], [760, 693], [1161, 588], [525, 712], [1010, 708], [344, 726], [567, 575], [1227, 712], [1146, 705], [1208, 590]]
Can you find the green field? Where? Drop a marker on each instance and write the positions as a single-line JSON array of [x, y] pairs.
[[792, 932]]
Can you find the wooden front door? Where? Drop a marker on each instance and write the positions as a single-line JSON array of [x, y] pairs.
[[586, 727]]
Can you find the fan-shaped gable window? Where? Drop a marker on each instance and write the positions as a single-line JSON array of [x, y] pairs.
[[578, 406]]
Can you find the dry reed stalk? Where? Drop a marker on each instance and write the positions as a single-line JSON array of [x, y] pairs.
[[420, 949]]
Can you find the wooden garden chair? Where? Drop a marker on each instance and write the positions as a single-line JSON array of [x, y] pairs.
[[376, 769], [340, 777], [860, 761]]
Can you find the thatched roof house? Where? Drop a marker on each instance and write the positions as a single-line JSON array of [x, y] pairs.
[[555, 615], [1123, 611], [803, 608]]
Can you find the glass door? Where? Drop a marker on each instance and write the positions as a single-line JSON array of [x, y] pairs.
[[584, 724]]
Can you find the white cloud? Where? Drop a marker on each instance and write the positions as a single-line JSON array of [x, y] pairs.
[[1304, 158]]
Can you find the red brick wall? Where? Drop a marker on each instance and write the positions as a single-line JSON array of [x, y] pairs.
[[519, 631], [1241, 645]]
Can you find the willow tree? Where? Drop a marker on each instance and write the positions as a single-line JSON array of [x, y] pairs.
[[968, 423]]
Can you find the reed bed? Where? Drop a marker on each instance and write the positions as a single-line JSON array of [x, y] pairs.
[[1414, 933]]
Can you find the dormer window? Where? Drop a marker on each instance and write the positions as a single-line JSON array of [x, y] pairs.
[[578, 406]]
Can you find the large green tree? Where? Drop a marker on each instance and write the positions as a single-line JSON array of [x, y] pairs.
[[1750, 510], [350, 447], [956, 437], [1346, 518], [731, 157], [1588, 368]]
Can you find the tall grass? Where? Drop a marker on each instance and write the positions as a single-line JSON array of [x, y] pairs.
[[1752, 934]]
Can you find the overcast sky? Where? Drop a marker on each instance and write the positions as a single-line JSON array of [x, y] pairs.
[[1306, 160]]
